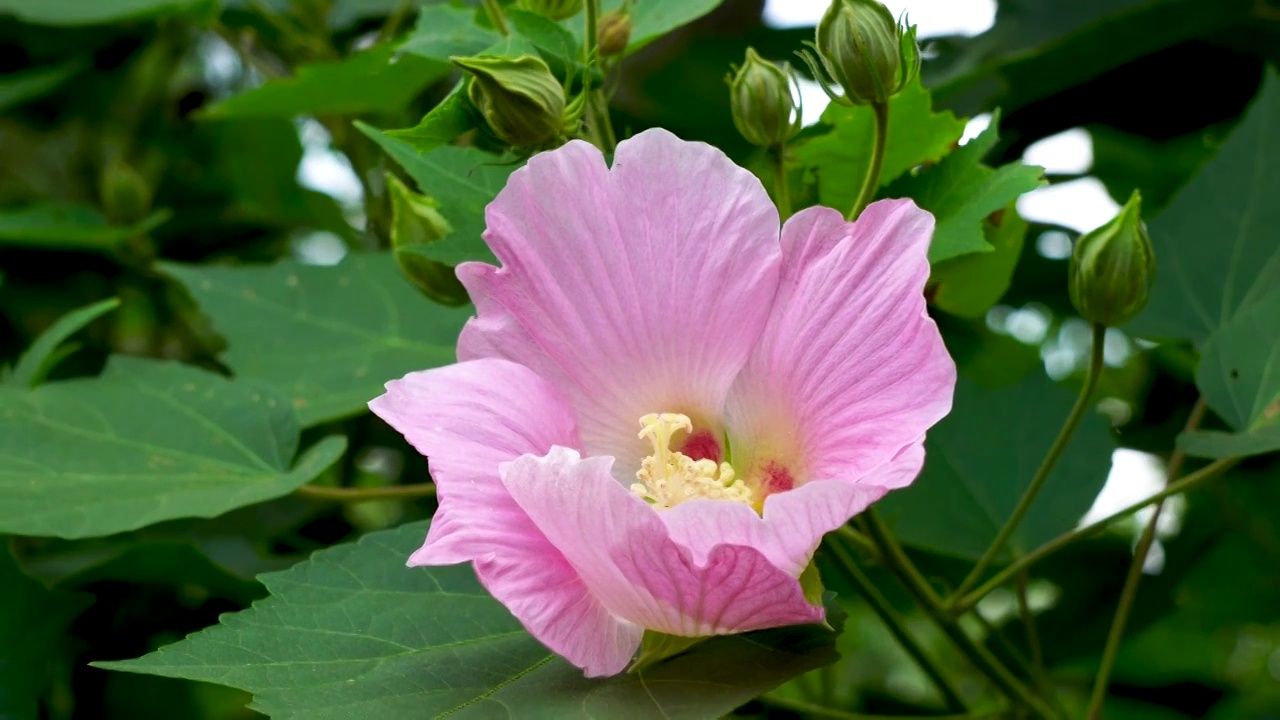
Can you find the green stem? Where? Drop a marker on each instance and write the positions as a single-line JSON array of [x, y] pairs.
[[782, 189], [1134, 578], [1029, 622], [871, 183], [829, 713], [350, 494], [494, 10], [1046, 466], [1187, 483], [896, 625], [592, 8], [897, 561]]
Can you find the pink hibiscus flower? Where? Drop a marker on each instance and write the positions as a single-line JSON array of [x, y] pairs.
[[663, 402]]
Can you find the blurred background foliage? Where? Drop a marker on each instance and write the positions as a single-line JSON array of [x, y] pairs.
[[161, 151]]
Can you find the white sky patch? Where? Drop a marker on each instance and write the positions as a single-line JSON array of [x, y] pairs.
[[1080, 205], [933, 18], [1067, 153], [975, 127]]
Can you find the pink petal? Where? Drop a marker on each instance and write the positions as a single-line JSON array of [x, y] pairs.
[[634, 290], [794, 522], [467, 419], [623, 552], [850, 370]]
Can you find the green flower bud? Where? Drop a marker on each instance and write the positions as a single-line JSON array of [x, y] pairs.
[[126, 196], [614, 33], [553, 9], [865, 51], [1113, 267], [415, 222], [760, 95], [520, 99]]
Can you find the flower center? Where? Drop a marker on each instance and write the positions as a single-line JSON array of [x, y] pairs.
[[668, 478]]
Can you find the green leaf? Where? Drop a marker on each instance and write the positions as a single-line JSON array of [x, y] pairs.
[[39, 359], [961, 191], [970, 285], [1218, 243], [839, 159], [147, 441], [20, 87], [1239, 376], [554, 43], [69, 227], [446, 121], [352, 633], [462, 180], [327, 338], [444, 30], [33, 626], [95, 12], [369, 81], [980, 459]]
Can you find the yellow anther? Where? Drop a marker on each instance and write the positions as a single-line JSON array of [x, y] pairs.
[[668, 478]]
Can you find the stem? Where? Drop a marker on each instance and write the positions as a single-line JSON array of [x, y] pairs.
[[871, 183], [1029, 622], [350, 494], [494, 10], [1187, 483], [1134, 578], [820, 711], [1046, 466], [924, 594], [393, 22], [896, 625], [782, 190]]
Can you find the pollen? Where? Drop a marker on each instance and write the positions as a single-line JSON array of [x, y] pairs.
[[667, 477]]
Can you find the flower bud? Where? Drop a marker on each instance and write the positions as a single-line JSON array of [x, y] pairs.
[[415, 222], [520, 99], [1113, 267], [553, 9], [126, 196], [614, 33], [764, 109], [865, 51]]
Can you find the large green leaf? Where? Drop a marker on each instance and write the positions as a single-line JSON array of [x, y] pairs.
[[352, 633], [652, 19], [33, 625], [970, 285], [1239, 375], [462, 180], [69, 227], [961, 191], [368, 81], [444, 30], [328, 338], [1218, 243], [93, 12], [147, 441], [840, 157], [981, 457]]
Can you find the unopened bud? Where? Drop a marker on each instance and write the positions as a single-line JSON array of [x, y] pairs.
[[1113, 268], [415, 223], [865, 51], [126, 196], [614, 33], [520, 99], [760, 96], [553, 9]]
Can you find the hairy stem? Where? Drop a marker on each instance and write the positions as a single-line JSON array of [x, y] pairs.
[[871, 182], [1134, 578], [782, 190], [1046, 467], [896, 624], [352, 494]]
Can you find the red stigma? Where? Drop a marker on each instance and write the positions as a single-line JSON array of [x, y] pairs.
[[702, 445], [776, 479]]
